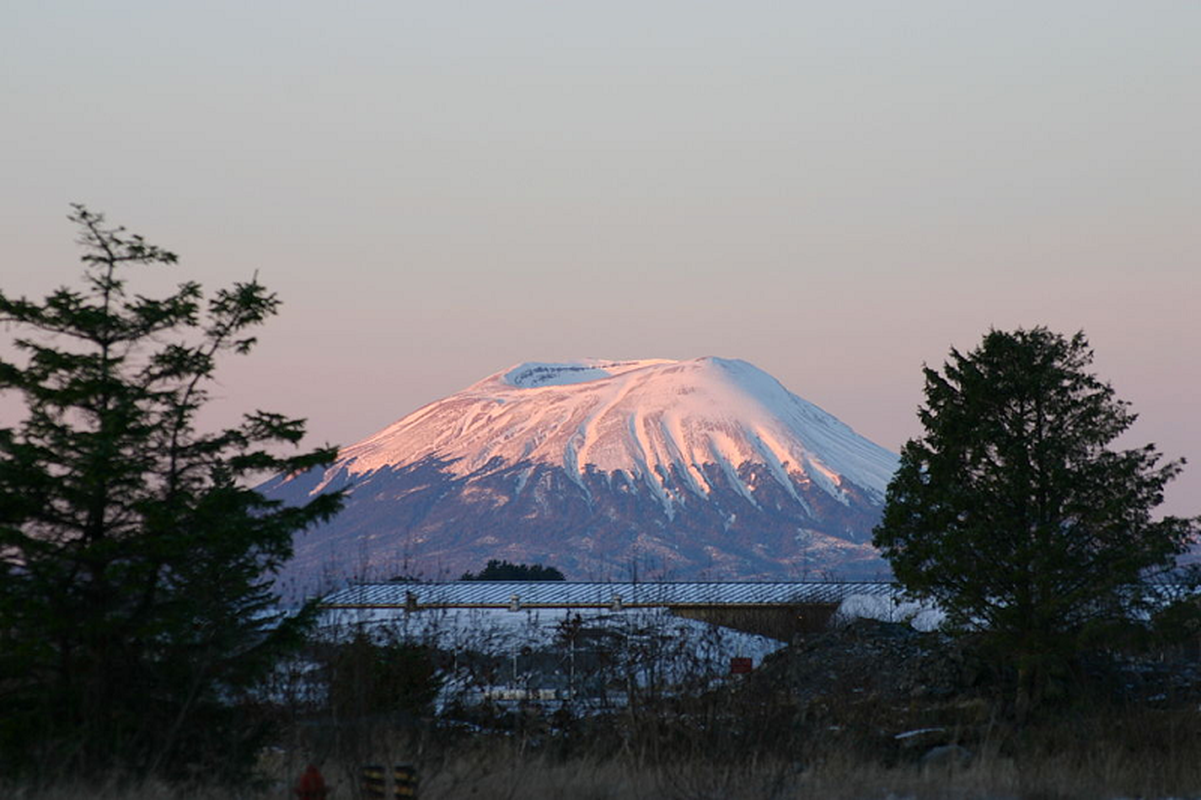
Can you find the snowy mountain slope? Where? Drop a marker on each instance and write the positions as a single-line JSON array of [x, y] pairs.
[[645, 418], [707, 466]]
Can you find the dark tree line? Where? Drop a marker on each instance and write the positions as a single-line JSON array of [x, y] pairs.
[[496, 570]]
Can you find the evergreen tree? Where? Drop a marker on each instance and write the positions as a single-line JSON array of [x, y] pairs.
[[136, 606], [1013, 513]]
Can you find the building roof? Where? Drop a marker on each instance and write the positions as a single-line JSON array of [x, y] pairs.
[[579, 594]]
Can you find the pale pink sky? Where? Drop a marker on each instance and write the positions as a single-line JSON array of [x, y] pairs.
[[835, 192]]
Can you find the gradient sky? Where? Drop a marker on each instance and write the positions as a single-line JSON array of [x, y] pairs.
[[836, 192]]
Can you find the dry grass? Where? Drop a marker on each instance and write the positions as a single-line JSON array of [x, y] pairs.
[[1084, 757], [589, 780]]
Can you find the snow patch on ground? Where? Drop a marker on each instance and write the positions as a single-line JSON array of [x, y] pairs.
[[920, 616], [499, 631]]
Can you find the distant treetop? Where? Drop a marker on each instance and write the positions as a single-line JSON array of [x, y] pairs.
[[504, 571]]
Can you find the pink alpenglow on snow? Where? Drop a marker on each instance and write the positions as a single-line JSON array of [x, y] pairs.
[[677, 469]]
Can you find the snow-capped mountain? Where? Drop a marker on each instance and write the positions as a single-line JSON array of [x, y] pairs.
[[676, 469]]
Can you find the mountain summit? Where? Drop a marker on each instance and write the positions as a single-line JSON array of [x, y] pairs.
[[674, 469]]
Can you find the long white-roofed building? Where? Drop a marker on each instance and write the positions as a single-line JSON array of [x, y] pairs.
[[780, 609]]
